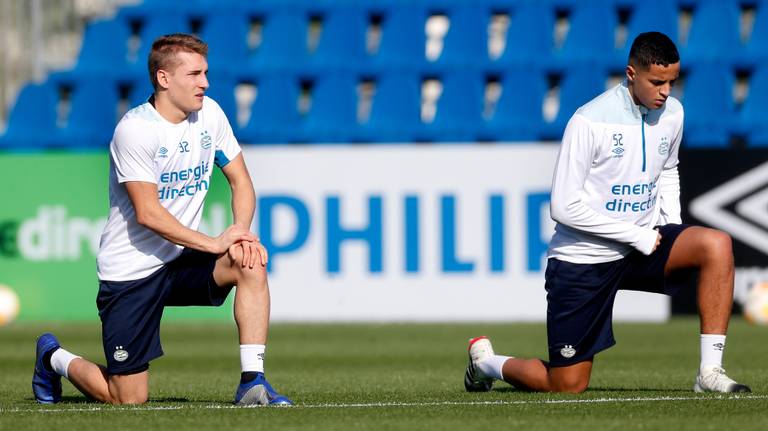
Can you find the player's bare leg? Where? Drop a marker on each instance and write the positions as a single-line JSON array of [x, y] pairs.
[[536, 375], [252, 306], [92, 380], [526, 374], [711, 252], [251, 296]]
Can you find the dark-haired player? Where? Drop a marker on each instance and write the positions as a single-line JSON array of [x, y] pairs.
[[616, 201]]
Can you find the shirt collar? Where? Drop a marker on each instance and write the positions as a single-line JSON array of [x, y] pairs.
[[637, 111]]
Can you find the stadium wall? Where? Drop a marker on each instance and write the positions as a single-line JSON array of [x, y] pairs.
[[356, 233]]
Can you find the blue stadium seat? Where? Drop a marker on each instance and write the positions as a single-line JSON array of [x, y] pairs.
[[226, 33], [529, 36], [518, 113], [152, 26], [709, 106], [333, 114], [756, 49], [714, 32], [92, 114], [105, 48], [222, 87], [396, 108], [283, 39], [466, 42], [650, 15], [403, 37], [591, 34], [754, 112], [459, 108], [342, 41], [274, 114], [140, 88], [32, 121]]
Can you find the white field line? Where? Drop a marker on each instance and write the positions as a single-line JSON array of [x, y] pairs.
[[106, 408]]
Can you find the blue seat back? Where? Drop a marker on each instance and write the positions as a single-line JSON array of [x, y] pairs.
[[709, 105], [32, 121]]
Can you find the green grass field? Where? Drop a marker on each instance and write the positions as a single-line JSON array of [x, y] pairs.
[[404, 376]]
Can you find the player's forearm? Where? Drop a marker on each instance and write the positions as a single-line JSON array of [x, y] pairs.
[[578, 215], [243, 204], [160, 221]]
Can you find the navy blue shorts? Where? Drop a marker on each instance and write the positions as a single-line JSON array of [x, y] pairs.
[[130, 311], [580, 297]]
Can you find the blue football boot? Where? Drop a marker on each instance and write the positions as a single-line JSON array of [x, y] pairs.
[[258, 392], [46, 385]]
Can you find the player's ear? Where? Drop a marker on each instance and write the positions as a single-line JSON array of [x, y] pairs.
[[630, 71], [163, 78]]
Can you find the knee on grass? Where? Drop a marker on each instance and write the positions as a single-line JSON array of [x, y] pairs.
[[129, 399], [571, 385]]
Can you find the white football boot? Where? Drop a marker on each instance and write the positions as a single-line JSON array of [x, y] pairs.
[[475, 380], [713, 379]]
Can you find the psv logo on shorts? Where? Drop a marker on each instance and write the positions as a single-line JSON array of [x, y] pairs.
[[120, 355], [567, 352]]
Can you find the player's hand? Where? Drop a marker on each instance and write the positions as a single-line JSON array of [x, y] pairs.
[[253, 253], [658, 240], [232, 235]]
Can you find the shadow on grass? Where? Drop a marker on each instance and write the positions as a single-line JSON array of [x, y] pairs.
[[604, 389], [75, 399]]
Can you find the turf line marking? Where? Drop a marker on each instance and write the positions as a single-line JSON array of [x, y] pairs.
[[104, 408]]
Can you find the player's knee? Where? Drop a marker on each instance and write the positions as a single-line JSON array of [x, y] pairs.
[[718, 245], [132, 400], [256, 276], [129, 398], [246, 274], [571, 384]]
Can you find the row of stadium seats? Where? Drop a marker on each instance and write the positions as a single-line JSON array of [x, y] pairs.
[[274, 35], [307, 91], [71, 110]]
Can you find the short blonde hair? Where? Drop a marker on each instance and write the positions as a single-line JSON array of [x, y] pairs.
[[165, 48]]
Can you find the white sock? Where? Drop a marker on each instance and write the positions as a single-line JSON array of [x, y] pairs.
[[491, 367], [60, 360], [252, 357], [712, 346]]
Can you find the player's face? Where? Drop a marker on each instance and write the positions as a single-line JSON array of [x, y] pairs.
[[650, 87], [188, 81]]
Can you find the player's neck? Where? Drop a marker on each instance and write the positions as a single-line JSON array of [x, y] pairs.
[[631, 90], [642, 108], [168, 110]]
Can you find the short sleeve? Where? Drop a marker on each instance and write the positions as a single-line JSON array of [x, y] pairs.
[[133, 150], [226, 144]]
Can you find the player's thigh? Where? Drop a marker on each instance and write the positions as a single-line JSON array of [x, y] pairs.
[[129, 388], [571, 378], [697, 245]]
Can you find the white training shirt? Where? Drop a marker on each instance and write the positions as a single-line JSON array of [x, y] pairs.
[[615, 178], [176, 157]]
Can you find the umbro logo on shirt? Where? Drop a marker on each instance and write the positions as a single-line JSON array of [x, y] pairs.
[[162, 152], [618, 146]]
